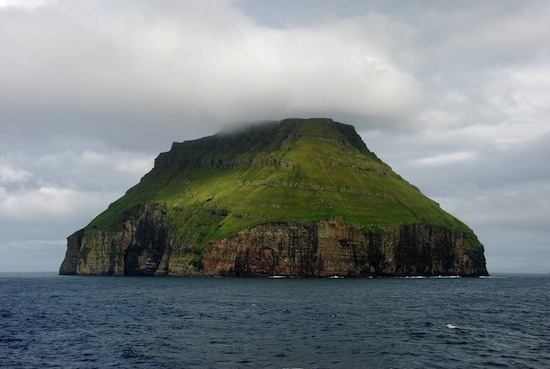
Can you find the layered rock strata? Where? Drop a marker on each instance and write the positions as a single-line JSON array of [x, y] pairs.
[[324, 248]]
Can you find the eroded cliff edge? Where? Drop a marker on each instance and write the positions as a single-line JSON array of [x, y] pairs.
[[323, 248], [297, 197]]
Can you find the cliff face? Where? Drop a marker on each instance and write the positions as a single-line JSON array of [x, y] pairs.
[[329, 248], [324, 248], [297, 197], [137, 249]]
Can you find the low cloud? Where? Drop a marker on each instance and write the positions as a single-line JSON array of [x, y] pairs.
[[43, 203], [447, 159], [66, 186], [134, 67]]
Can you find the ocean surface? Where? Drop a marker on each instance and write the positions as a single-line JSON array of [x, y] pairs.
[[50, 321]]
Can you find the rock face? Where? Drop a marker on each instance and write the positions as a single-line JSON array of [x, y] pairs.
[[329, 248], [325, 248], [298, 197], [138, 249]]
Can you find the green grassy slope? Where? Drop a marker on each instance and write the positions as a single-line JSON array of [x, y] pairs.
[[298, 170]]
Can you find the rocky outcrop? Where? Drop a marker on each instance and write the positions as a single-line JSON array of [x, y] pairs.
[[137, 249], [322, 248], [72, 255]]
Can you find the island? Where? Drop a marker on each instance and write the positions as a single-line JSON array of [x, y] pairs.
[[299, 197]]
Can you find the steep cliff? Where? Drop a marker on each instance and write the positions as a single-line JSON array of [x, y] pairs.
[[297, 197], [328, 248]]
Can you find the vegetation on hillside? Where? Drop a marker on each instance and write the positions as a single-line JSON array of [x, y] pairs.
[[297, 170]]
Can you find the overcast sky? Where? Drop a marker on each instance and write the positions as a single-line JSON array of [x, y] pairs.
[[454, 95]]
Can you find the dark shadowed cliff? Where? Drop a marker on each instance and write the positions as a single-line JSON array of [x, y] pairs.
[[297, 197]]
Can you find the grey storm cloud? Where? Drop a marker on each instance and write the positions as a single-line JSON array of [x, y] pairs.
[[453, 95]]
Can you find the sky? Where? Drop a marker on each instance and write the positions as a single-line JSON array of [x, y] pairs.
[[453, 95]]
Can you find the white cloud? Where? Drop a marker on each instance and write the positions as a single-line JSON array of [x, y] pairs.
[[24, 4], [135, 64], [68, 184], [447, 158], [46, 203], [9, 174]]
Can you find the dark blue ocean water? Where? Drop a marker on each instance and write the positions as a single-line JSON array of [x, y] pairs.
[[49, 321]]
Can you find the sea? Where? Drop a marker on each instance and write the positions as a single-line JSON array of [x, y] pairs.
[[51, 321]]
